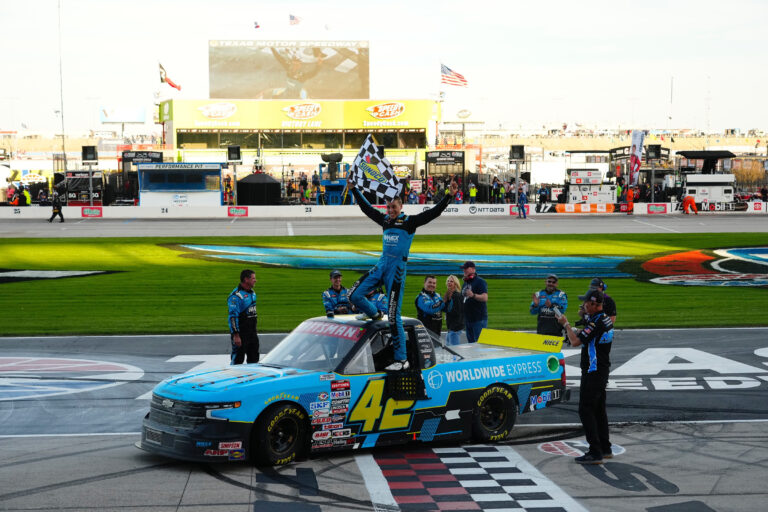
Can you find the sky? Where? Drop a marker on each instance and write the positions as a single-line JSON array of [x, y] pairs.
[[647, 64]]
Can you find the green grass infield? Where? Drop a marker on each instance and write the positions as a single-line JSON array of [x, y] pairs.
[[153, 287]]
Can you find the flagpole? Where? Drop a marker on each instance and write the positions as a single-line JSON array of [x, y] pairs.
[[61, 95]]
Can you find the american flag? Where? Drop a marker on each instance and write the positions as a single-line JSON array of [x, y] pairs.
[[293, 20], [450, 77]]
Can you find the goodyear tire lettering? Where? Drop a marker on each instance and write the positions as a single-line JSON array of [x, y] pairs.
[[494, 414], [279, 435]]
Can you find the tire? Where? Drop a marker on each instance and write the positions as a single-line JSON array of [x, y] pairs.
[[494, 414], [280, 435]]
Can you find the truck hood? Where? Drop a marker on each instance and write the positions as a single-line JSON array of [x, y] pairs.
[[225, 378]]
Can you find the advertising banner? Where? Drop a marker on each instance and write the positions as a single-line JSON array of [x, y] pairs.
[[298, 115], [636, 155], [656, 208], [237, 211], [91, 211]]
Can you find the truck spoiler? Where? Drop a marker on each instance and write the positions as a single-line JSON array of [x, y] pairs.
[[521, 340]]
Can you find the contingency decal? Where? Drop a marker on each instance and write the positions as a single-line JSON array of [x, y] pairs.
[[37, 377]]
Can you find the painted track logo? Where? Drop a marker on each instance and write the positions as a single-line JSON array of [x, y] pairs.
[[496, 265], [745, 266], [24, 378]]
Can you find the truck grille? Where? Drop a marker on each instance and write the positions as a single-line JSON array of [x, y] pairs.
[[176, 413]]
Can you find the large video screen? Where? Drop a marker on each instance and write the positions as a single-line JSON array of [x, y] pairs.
[[288, 69]]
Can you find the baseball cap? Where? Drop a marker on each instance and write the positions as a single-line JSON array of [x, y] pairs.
[[594, 296], [335, 273], [468, 264], [553, 276], [595, 284]]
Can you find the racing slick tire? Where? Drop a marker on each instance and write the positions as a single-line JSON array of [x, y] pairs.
[[280, 435], [494, 414]]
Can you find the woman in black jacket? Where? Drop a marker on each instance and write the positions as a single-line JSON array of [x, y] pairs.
[[454, 310]]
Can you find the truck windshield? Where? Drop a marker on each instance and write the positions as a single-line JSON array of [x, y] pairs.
[[315, 345]]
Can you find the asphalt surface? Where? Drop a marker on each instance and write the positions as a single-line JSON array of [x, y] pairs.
[[539, 224], [687, 410]]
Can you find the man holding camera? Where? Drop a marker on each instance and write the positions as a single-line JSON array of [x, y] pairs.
[[475, 292], [595, 340]]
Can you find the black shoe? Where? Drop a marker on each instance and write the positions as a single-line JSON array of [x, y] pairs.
[[589, 458], [50, 220]]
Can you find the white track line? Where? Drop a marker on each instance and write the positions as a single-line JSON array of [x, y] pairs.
[[655, 226], [289, 227], [377, 485]]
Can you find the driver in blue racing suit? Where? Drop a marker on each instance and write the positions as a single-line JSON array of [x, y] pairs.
[[390, 269]]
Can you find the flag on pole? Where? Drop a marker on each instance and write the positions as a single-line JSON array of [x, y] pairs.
[[374, 173], [293, 20], [165, 80], [635, 156], [450, 77]]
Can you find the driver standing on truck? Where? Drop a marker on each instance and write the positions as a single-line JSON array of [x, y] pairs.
[[390, 270]]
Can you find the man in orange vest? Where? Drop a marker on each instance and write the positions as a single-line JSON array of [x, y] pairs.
[[630, 200], [688, 202]]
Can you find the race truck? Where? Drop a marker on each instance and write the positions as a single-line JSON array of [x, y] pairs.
[[323, 388]]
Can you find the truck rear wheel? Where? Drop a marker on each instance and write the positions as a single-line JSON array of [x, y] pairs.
[[494, 415]]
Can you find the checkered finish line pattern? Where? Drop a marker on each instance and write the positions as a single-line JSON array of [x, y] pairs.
[[470, 478]]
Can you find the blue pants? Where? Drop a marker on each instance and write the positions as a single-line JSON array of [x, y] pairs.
[[453, 337], [392, 275], [474, 329], [521, 210]]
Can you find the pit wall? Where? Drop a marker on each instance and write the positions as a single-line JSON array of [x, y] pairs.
[[314, 211]]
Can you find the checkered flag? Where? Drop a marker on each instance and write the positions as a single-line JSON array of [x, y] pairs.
[[374, 173]]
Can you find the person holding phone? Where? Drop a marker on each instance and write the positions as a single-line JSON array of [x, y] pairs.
[[546, 303]]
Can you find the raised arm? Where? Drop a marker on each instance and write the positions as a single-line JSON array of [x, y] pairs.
[[371, 212], [434, 212]]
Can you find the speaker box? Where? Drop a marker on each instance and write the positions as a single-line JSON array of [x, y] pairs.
[[233, 154], [653, 152], [517, 152], [90, 154]]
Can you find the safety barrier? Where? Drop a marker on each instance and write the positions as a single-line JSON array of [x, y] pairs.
[[349, 211]]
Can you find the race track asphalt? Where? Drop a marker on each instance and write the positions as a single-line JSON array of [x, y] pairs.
[[540, 224], [686, 406]]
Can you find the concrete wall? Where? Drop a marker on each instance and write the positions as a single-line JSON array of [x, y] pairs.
[[313, 211]]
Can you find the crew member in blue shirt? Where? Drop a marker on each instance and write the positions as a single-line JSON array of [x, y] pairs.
[[430, 306], [243, 320], [543, 304], [335, 298], [595, 339], [390, 270]]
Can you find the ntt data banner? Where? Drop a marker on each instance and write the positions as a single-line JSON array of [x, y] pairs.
[[288, 69]]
